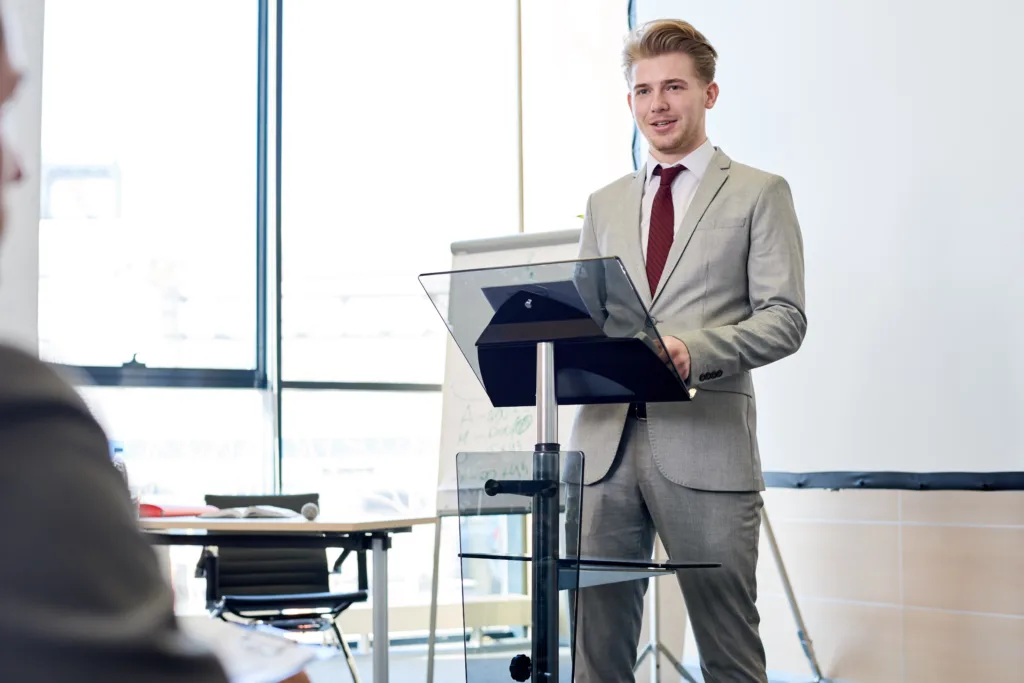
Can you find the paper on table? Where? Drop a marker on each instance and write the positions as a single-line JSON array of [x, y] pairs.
[[251, 655], [264, 511]]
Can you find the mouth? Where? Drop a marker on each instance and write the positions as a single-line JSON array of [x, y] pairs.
[[663, 125]]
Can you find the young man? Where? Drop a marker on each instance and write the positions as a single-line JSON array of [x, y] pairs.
[[82, 598], [715, 250]]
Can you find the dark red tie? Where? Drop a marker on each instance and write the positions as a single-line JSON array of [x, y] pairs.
[[663, 225]]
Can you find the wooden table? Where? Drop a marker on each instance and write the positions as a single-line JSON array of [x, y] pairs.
[[370, 533]]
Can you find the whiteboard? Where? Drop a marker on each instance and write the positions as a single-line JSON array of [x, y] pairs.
[[469, 423], [898, 126]]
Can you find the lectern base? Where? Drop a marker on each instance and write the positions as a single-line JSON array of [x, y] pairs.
[[546, 485], [512, 483]]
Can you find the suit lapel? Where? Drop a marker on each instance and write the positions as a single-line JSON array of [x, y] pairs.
[[632, 255], [715, 176]]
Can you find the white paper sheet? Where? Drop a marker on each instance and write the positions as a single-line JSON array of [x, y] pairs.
[[252, 655]]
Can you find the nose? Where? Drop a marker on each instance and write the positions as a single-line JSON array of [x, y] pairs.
[[658, 102]]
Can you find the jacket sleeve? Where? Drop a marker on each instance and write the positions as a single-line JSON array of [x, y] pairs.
[[775, 277], [82, 592]]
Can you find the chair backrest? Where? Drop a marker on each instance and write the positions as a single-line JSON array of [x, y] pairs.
[[269, 571]]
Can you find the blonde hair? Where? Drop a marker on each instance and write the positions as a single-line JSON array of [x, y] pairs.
[[667, 36]]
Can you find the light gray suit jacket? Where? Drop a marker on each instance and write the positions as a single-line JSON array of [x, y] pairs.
[[732, 291], [82, 597]]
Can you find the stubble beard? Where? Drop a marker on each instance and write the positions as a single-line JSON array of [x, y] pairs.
[[679, 143]]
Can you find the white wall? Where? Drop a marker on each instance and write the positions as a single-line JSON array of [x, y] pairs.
[[19, 255], [898, 126]]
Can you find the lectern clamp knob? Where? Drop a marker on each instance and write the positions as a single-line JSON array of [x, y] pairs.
[[520, 668]]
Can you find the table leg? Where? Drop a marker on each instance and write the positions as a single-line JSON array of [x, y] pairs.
[[380, 610]]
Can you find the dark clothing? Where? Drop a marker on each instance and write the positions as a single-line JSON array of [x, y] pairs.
[[82, 597]]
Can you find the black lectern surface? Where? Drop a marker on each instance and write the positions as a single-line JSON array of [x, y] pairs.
[[606, 347], [569, 332]]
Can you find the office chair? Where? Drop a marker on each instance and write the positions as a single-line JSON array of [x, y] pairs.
[[287, 588]]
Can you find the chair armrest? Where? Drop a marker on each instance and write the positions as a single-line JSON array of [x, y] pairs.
[[331, 601], [336, 569]]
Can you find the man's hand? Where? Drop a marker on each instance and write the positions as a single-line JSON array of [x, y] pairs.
[[678, 353]]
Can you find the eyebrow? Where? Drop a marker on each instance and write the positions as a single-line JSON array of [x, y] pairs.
[[668, 81]]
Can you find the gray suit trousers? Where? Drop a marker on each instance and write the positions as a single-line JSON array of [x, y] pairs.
[[620, 516]]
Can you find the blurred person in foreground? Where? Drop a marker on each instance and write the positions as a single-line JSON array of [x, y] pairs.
[[82, 597]]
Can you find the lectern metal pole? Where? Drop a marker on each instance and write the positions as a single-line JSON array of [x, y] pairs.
[[547, 402], [545, 523]]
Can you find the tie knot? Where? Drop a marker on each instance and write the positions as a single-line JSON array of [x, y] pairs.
[[668, 174]]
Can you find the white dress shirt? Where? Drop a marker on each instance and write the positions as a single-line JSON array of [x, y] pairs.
[[683, 187]]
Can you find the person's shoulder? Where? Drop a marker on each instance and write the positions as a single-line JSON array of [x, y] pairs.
[[746, 174], [614, 190], [27, 383]]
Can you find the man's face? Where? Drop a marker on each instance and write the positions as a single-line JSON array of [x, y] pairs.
[[668, 101], [9, 171]]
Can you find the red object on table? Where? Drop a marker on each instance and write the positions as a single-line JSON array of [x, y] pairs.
[[152, 510]]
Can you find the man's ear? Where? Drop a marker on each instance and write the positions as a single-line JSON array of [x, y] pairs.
[[712, 96], [629, 101]]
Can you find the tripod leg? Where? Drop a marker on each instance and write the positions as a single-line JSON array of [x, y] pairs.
[[648, 649], [654, 645], [652, 589], [431, 641], [805, 638], [676, 664]]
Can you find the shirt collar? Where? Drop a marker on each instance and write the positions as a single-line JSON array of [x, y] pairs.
[[696, 161]]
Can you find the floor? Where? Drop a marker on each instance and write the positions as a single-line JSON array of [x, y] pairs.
[[409, 665]]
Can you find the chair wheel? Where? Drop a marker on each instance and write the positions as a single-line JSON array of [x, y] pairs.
[[520, 668]]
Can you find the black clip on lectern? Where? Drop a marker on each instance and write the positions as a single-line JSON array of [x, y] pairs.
[[544, 335]]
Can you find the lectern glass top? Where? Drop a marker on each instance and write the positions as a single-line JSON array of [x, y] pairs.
[[607, 347]]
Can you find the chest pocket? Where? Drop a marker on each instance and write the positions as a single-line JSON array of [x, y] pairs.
[[724, 223], [725, 244]]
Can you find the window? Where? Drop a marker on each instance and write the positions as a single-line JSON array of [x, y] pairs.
[[181, 444], [577, 128], [148, 237], [399, 137], [366, 453], [149, 240]]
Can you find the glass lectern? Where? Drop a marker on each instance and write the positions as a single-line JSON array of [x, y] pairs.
[[544, 335]]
